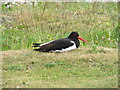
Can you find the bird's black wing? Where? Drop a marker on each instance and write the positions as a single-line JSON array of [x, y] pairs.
[[56, 45]]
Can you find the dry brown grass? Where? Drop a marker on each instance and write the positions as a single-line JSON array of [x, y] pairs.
[[74, 69]]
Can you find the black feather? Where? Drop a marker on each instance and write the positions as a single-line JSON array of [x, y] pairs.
[[37, 43], [36, 49]]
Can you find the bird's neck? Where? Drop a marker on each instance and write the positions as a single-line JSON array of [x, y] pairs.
[[77, 43]]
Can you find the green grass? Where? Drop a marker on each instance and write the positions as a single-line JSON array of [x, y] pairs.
[[24, 24], [74, 69], [92, 66]]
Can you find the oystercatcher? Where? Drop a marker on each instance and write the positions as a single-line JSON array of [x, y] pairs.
[[60, 45]]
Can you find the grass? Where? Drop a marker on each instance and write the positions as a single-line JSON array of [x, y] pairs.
[[92, 66], [74, 69], [25, 24]]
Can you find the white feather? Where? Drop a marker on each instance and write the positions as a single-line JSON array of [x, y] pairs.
[[45, 43]]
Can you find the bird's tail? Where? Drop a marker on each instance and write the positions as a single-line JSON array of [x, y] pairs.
[[36, 49], [36, 44]]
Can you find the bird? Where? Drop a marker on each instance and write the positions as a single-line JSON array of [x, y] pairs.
[[60, 45]]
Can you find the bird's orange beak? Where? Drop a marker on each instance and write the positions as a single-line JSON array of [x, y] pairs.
[[82, 39]]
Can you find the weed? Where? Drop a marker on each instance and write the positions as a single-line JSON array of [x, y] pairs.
[[94, 49], [53, 64], [15, 68]]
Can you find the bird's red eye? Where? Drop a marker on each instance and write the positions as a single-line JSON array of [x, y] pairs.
[[75, 34]]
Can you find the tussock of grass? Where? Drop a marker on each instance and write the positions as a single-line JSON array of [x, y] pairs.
[[74, 69]]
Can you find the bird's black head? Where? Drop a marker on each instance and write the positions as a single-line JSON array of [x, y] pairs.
[[73, 35]]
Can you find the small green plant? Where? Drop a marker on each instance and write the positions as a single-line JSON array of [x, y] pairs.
[[15, 68], [94, 49], [53, 64]]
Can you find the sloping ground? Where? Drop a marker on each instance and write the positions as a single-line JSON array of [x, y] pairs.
[[81, 68]]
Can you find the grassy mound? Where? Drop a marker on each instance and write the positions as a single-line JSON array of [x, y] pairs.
[[81, 68]]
